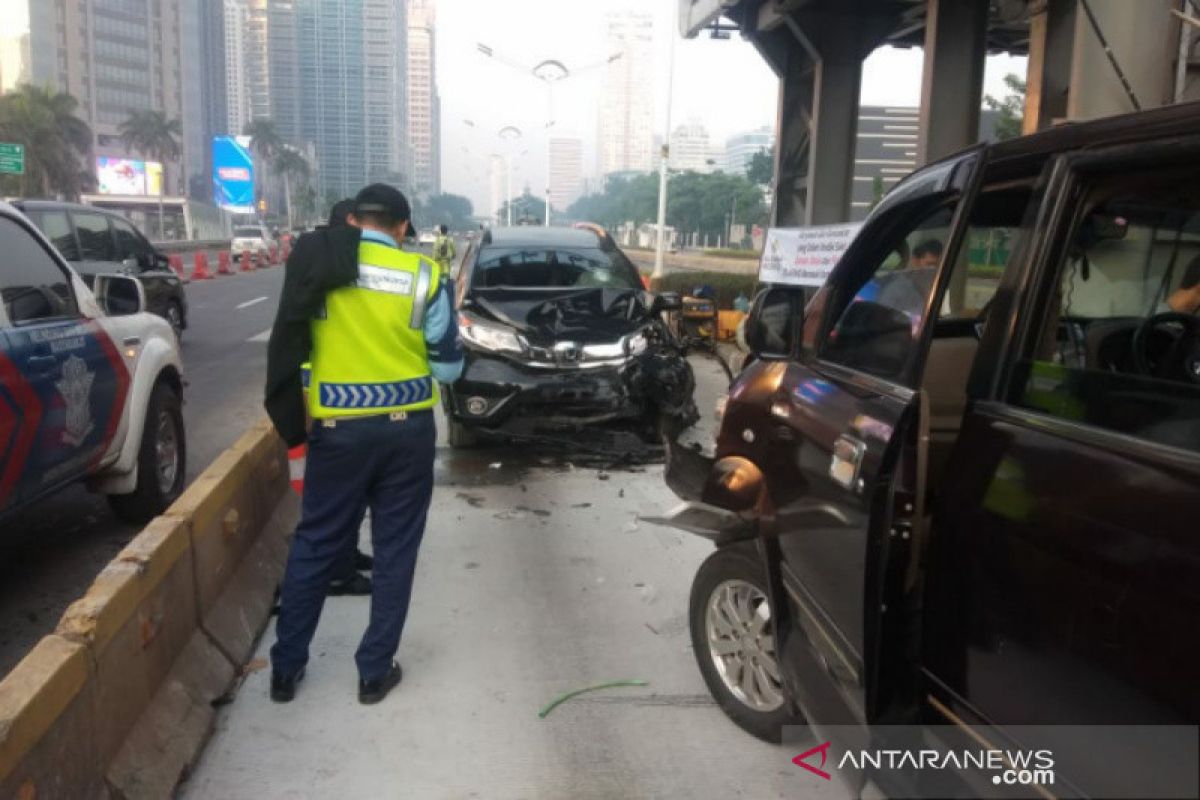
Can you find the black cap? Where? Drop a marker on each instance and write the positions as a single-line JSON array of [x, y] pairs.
[[379, 198]]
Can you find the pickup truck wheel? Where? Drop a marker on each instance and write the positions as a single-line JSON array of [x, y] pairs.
[[460, 436], [162, 460], [733, 637]]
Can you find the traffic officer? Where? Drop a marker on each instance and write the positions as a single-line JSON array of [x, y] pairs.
[[379, 346], [444, 250]]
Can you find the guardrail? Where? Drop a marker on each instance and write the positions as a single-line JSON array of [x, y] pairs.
[[118, 701], [193, 245]]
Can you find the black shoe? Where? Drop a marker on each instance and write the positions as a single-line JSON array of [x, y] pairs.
[[357, 584], [370, 692], [363, 562], [283, 687]]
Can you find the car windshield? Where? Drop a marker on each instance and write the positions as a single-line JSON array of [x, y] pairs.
[[542, 267], [247, 233]]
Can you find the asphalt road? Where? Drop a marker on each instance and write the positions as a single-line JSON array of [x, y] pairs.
[[52, 551], [536, 577]]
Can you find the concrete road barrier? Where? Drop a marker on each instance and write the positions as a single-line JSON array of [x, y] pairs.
[[119, 699]]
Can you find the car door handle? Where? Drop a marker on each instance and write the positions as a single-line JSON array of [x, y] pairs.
[[41, 364], [846, 461]]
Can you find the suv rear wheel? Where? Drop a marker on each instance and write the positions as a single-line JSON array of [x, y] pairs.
[[162, 460], [460, 436], [733, 638]]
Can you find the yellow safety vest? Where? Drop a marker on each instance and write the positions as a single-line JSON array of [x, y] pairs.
[[369, 354]]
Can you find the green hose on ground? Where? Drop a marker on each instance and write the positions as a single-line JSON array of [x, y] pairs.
[[562, 698]]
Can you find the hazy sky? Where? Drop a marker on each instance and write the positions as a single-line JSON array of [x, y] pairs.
[[725, 84]]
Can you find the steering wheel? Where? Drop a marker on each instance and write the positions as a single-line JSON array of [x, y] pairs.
[[1182, 359]]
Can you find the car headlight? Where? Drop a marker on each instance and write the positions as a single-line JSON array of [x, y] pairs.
[[488, 337], [637, 343]]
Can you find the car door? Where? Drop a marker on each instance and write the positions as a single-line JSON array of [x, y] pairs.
[[1064, 569], [161, 283], [846, 416], [59, 372]]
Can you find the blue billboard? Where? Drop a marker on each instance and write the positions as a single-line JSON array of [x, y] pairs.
[[233, 174]]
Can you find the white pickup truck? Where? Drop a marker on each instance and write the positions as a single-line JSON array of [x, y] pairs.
[[91, 386]]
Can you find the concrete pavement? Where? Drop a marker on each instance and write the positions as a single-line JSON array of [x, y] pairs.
[[536, 577]]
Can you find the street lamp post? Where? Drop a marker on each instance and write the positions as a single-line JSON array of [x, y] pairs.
[[660, 250], [509, 134]]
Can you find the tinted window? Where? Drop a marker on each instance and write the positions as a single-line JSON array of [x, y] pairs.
[[130, 243], [95, 237], [992, 235], [774, 323], [877, 329], [248, 233], [1120, 345], [537, 267], [32, 285], [57, 228]]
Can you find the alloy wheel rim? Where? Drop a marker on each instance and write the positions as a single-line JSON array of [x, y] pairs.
[[166, 449], [741, 643]]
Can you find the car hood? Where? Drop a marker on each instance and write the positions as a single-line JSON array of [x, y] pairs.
[[581, 315]]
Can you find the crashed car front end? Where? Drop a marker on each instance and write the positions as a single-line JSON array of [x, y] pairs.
[[538, 362]]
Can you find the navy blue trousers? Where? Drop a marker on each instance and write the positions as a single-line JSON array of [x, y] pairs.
[[378, 463]]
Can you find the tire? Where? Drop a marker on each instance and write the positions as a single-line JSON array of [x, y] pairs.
[[460, 436], [728, 601], [163, 441]]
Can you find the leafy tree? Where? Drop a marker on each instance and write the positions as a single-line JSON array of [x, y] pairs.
[[451, 210], [290, 163], [265, 142], [761, 168], [156, 136], [306, 203], [877, 191], [525, 209], [1010, 110], [56, 141]]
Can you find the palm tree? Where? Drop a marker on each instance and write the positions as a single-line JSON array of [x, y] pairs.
[[55, 139], [152, 133], [289, 162], [265, 141]]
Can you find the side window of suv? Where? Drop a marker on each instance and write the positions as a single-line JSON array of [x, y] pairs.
[[1119, 347], [33, 286], [95, 237], [130, 243], [57, 228], [877, 330]]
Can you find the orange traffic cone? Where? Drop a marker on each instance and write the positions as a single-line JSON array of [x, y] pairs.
[[200, 269], [246, 263], [176, 262], [223, 263], [297, 457], [274, 255]]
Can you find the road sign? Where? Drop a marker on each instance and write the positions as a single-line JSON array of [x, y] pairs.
[[12, 158]]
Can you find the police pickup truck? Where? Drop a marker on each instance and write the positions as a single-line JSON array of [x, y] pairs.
[[90, 384]]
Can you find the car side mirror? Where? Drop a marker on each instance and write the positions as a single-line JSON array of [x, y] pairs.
[[667, 301], [132, 264], [120, 295], [772, 326]]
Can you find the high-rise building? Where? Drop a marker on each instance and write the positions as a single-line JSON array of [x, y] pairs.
[[691, 148], [742, 147], [114, 57], [626, 135], [237, 85], [424, 105], [566, 171], [350, 62]]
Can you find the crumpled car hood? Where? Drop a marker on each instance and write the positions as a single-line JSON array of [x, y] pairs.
[[581, 315]]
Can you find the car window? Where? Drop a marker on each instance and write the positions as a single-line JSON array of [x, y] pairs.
[[541, 267], [992, 235], [248, 233], [130, 243], [1120, 344], [774, 322], [95, 237], [57, 228], [33, 286], [876, 331]]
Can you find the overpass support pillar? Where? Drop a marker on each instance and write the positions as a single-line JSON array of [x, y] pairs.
[[1144, 38], [1048, 76], [818, 120], [952, 80]]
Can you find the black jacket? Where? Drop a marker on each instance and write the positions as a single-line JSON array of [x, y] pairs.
[[322, 260]]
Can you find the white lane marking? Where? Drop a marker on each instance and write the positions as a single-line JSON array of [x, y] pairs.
[[261, 337], [253, 302]]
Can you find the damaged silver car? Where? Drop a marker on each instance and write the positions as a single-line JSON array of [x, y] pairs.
[[561, 335]]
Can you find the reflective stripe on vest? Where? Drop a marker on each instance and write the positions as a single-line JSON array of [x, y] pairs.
[[367, 356]]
